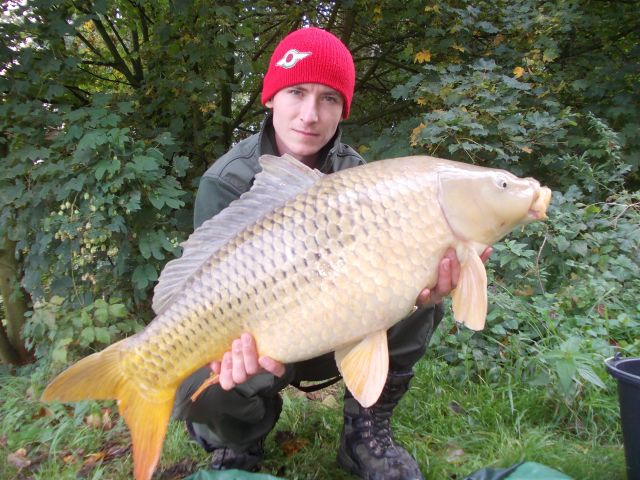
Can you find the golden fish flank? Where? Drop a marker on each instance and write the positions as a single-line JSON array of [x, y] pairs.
[[307, 264]]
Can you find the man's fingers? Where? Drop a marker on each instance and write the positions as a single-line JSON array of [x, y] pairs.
[[216, 367], [226, 365], [272, 366], [444, 276], [423, 297], [454, 271], [485, 255], [249, 354], [238, 372]]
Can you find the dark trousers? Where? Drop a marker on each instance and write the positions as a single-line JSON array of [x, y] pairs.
[[239, 417]]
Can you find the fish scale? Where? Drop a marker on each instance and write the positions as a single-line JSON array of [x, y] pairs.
[[307, 264], [343, 250]]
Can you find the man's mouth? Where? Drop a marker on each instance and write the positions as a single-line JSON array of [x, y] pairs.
[[305, 133]]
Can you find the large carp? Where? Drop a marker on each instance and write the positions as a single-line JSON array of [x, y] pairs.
[[308, 264]]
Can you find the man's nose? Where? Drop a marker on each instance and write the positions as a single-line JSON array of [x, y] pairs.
[[309, 110]]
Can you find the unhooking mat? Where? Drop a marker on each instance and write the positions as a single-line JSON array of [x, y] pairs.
[[521, 471]]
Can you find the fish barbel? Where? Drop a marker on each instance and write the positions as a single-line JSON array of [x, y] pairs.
[[308, 264]]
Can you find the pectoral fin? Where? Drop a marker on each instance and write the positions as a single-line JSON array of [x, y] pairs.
[[364, 367], [470, 296]]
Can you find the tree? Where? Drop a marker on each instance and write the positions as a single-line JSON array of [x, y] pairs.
[[112, 109]]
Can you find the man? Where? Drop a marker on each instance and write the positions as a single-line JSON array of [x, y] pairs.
[[308, 88]]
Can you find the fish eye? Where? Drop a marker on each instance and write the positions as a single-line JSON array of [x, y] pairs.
[[502, 182]]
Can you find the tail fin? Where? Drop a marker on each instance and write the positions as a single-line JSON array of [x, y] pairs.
[[100, 377]]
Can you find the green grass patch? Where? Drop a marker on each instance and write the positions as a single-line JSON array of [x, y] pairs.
[[452, 429]]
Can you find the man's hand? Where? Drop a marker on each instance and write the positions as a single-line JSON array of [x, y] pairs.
[[242, 363], [448, 275]]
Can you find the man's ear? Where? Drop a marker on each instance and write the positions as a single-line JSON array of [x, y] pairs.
[[268, 104]]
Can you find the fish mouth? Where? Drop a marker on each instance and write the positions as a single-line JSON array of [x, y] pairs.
[[540, 203]]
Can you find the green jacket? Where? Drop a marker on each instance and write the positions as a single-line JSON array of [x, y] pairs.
[[233, 173]]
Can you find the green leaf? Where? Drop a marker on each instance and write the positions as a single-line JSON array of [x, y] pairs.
[[59, 353], [144, 247], [87, 336], [587, 372], [144, 163], [91, 140], [156, 200], [102, 314], [118, 310], [102, 335], [143, 275], [180, 165], [565, 369]]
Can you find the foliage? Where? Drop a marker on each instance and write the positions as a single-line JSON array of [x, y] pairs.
[[112, 109], [92, 205], [564, 294], [54, 329]]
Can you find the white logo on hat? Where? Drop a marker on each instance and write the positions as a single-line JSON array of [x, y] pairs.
[[292, 57]]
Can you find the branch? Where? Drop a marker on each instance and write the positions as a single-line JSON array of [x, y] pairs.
[[113, 80], [88, 44], [347, 25], [121, 66], [75, 91], [245, 109], [601, 44], [144, 20], [115, 32], [98, 64], [137, 63]]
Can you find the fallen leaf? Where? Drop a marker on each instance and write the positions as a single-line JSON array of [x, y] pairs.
[[456, 408], [177, 471], [289, 444], [107, 422], [19, 459], [43, 412], [93, 420], [93, 458], [31, 393], [518, 72], [454, 453]]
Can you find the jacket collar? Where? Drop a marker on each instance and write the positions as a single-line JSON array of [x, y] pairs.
[[267, 145]]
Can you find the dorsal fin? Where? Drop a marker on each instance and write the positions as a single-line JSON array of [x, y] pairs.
[[281, 179]]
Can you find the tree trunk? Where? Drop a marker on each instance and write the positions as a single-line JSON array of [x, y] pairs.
[[12, 349]]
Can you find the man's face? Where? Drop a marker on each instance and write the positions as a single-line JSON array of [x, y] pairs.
[[305, 117]]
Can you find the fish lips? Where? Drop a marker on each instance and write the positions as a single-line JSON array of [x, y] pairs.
[[540, 203]]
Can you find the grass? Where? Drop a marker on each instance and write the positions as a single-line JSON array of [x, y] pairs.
[[451, 429]]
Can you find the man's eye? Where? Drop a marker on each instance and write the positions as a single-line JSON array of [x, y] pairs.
[[331, 98]]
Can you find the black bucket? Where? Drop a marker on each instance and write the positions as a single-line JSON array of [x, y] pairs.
[[627, 372]]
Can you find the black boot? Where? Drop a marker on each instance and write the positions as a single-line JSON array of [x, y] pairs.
[[225, 458], [249, 456], [367, 448]]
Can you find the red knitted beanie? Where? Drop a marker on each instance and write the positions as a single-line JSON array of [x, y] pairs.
[[311, 55]]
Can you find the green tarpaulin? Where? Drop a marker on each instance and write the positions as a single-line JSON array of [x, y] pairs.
[[521, 471]]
